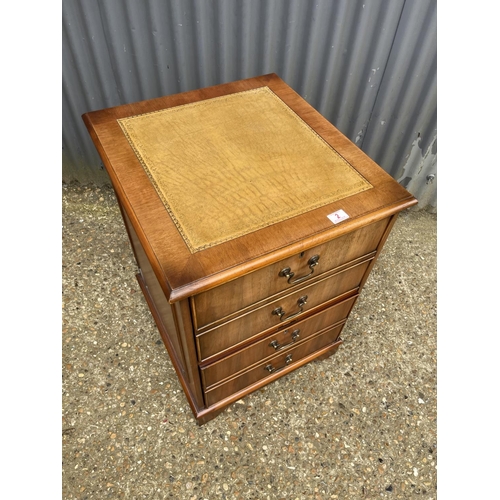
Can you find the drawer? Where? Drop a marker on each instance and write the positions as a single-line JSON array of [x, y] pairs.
[[271, 366], [282, 340], [265, 317], [215, 304]]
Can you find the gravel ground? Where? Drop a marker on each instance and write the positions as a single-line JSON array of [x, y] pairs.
[[361, 424]]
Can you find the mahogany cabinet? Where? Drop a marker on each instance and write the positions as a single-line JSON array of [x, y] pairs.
[[254, 223]]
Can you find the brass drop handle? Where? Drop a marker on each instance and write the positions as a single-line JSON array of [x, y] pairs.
[[278, 347], [288, 273], [271, 369], [280, 313]]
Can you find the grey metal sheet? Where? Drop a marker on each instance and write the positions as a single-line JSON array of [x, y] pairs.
[[367, 66]]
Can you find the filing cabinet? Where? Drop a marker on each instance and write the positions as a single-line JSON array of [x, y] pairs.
[[254, 223]]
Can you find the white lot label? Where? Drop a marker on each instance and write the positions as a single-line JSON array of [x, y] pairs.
[[338, 216]]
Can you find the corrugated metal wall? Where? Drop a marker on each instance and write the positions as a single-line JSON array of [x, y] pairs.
[[368, 66]]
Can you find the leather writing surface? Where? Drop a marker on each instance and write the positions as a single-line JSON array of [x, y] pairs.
[[230, 165]]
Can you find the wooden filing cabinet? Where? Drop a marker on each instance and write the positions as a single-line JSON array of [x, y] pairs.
[[254, 223]]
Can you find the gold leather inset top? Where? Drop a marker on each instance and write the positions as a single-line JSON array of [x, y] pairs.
[[228, 166]]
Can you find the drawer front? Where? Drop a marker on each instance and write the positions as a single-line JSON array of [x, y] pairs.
[[280, 341], [265, 317], [270, 366], [235, 295]]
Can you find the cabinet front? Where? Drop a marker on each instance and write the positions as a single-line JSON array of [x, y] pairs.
[[285, 338], [279, 312], [247, 291]]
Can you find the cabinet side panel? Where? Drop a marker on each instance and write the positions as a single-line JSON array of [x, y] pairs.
[[178, 331], [379, 249]]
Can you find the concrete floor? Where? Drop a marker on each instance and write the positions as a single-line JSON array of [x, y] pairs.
[[361, 424]]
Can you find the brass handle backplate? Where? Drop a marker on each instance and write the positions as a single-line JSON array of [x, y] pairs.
[[271, 369], [289, 274], [280, 313], [278, 347]]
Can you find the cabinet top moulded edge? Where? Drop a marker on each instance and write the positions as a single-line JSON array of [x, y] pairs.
[[183, 273]]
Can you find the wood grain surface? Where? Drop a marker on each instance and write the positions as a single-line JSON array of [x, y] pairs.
[[189, 273]]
